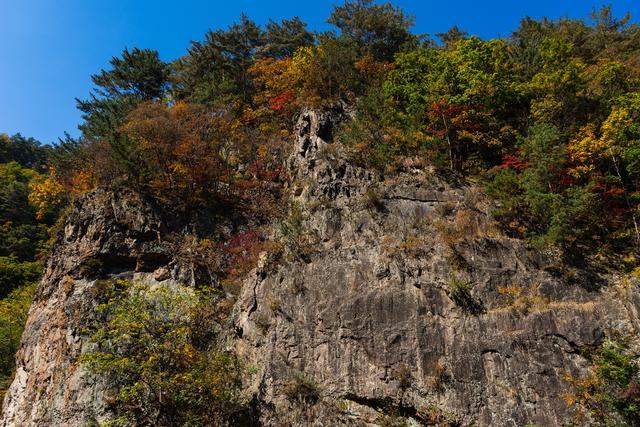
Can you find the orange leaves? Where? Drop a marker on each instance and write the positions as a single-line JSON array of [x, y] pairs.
[[181, 148], [47, 194], [372, 71], [277, 81], [188, 155], [273, 75]]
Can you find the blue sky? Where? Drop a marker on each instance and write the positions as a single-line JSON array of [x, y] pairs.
[[49, 49]]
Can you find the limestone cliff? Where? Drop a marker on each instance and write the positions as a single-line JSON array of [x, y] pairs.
[[397, 296]]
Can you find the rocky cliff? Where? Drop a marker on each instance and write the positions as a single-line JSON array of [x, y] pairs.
[[397, 299]]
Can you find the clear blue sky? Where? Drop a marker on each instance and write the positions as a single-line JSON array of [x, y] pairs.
[[49, 48]]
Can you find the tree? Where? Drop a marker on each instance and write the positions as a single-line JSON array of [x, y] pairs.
[[48, 196], [216, 71], [27, 152], [535, 195], [66, 160], [379, 30], [474, 72], [330, 74], [452, 100], [463, 131], [178, 153], [451, 36], [283, 39], [138, 76]]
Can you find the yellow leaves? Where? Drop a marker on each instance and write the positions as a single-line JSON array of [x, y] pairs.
[[284, 81], [545, 109], [179, 169], [615, 125], [179, 108], [262, 151], [587, 148], [46, 194], [302, 61], [274, 75]]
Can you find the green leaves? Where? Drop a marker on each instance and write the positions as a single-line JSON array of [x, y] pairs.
[[13, 315], [283, 39], [156, 347], [139, 75], [471, 72]]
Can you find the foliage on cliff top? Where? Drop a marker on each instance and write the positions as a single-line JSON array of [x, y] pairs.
[[547, 117]]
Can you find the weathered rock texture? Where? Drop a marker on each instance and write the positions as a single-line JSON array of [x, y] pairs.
[[371, 316], [106, 235], [396, 296]]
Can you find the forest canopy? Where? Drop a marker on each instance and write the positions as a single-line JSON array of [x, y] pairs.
[[546, 118]]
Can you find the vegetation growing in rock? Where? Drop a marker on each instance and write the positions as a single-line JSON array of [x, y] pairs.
[[460, 293], [301, 388], [156, 348], [547, 118], [611, 394]]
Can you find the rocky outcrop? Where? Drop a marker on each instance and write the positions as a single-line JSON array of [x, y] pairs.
[[413, 303], [106, 235], [391, 297]]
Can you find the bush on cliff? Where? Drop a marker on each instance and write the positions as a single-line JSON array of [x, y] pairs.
[[156, 347]]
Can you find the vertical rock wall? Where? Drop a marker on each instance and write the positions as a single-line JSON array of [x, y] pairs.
[[397, 296]]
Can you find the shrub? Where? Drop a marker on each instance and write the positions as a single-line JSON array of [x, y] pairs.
[[460, 293], [299, 242], [300, 388], [13, 315], [611, 394], [373, 200], [156, 349]]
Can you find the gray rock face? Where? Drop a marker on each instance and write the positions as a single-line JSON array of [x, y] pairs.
[[106, 235], [395, 295], [413, 301]]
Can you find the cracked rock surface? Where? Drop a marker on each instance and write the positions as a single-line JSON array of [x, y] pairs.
[[373, 319], [396, 296]]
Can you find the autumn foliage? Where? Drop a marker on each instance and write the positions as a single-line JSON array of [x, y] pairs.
[[547, 117]]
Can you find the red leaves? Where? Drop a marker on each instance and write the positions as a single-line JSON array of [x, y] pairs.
[[510, 161], [241, 251], [265, 172], [565, 179], [282, 102], [455, 117]]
